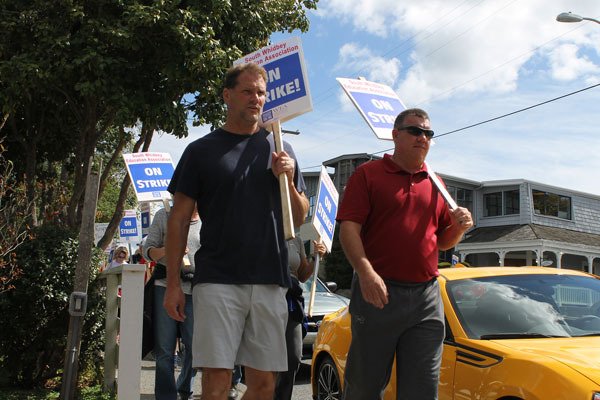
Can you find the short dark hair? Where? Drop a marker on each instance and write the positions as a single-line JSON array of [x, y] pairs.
[[232, 73], [410, 111]]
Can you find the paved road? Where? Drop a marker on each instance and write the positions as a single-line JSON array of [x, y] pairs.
[[302, 390]]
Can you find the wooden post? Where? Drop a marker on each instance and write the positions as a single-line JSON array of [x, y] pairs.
[[442, 189], [82, 275], [284, 191], [313, 288]]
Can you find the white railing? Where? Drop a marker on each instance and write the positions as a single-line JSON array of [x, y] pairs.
[[569, 295], [126, 355]]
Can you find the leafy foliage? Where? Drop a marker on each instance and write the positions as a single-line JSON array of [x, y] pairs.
[[132, 60], [14, 210], [70, 70], [74, 76], [32, 345], [86, 393], [114, 172]]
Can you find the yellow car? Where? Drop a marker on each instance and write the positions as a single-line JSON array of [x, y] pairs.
[[511, 333]]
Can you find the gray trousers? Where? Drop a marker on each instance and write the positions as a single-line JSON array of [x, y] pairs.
[[410, 327]]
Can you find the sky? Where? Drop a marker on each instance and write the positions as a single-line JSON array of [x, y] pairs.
[[464, 62]]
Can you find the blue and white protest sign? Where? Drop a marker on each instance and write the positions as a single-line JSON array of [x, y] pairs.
[[378, 104], [326, 209], [145, 217], [150, 174], [288, 94], [128, 227]]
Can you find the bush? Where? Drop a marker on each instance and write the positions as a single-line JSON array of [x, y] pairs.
[[90, 393], [33, 338]]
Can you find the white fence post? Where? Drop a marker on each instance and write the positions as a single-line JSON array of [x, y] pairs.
[[111, 331], [126, 356]]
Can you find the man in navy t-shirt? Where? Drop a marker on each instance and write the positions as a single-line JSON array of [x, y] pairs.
[[241, 273]]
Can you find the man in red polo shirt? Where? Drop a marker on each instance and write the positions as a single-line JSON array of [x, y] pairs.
[[393, 222]]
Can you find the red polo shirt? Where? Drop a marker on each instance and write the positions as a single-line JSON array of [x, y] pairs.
[[401, 216]]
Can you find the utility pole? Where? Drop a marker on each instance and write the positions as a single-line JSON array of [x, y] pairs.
[[78, 298]]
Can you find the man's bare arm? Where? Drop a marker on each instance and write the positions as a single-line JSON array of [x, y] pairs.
[[177, 231], [299, 204]]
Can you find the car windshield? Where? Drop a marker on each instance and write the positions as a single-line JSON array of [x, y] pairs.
[[306, 286], [527, 306]]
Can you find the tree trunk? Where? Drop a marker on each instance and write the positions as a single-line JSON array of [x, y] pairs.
[[80, 166], [116, 154]]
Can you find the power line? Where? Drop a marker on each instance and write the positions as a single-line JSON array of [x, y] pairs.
[[328, 93], [418, 37], [521, 110], [492, 119], [534, 49], [479, 76]]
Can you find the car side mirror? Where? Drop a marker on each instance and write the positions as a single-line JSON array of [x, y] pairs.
[[331, 286]]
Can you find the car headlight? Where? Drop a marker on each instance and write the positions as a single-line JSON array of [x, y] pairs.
[[596, 396]]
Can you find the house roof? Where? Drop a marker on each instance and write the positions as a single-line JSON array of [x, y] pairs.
[[311, 173], [358, 156], [514, 233]]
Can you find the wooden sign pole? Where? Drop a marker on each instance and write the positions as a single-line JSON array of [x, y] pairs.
[[286, 205], [440, 186], [313, 287]]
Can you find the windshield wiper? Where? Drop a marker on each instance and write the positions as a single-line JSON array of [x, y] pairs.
[[519, 336]]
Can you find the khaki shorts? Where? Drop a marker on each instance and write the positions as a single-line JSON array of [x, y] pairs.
[[240, 325]]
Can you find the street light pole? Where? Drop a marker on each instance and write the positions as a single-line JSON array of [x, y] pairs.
[[570, 17]]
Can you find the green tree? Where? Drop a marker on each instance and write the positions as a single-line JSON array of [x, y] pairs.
[[77, 75], [114, 173], [32, 345], [14, 210], [71, 69]]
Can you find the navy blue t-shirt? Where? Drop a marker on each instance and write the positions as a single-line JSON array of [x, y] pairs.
[[242, 239]]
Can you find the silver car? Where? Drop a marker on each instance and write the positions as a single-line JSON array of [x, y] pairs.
[[326, 302]]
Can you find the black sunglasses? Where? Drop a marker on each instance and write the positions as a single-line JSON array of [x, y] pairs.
[[416, 131]]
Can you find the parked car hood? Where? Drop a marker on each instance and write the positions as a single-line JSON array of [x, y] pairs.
[[325, 303], [580, 354]]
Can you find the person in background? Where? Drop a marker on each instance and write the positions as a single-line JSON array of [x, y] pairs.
[[240, 285], [393, 222], [300, 270], [138, 255], [120, 256], [165, 328], [139, 258]]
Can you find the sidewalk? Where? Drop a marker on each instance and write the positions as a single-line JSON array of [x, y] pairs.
[[147, 382]]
